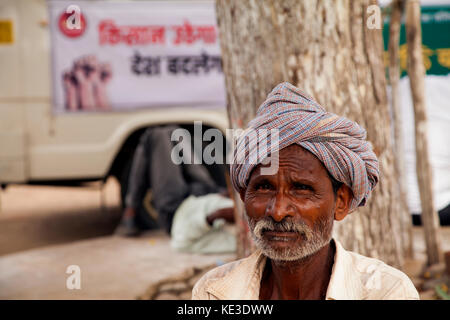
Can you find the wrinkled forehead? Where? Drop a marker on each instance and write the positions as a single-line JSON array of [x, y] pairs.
[[295, 161]]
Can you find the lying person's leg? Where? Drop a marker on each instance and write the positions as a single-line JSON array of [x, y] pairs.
[[169, 187], [137, 186]]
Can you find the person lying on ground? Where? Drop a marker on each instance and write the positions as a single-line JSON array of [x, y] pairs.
[[152, 169]]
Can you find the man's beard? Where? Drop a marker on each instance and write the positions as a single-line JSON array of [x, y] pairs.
[[312, 239]]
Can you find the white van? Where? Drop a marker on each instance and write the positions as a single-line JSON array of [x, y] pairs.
[[40, 146]]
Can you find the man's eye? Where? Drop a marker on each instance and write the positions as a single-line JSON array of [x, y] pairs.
[[301, 186], [263, 186]]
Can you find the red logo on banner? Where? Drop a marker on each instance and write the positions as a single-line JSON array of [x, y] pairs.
[[72, 24]]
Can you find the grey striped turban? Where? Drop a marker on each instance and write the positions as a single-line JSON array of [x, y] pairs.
[[336, 141]]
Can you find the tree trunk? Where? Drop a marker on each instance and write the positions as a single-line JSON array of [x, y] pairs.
[[416, 74], [325, 48], [397, 8]]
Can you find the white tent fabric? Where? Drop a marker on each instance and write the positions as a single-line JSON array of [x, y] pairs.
[[437, 93]]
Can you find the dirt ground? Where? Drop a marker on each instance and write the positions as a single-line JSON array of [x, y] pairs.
[[37, 216], [110, 268], [45, 229]]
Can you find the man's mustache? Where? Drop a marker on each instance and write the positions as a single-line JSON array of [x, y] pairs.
[[286, 225]]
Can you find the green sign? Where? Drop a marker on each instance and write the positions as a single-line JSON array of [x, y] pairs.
[[435, 40]]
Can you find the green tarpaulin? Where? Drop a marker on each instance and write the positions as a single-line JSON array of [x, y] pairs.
[[435, 39]]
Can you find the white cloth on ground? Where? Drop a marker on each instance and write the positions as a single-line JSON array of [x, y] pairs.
[[190, 231]]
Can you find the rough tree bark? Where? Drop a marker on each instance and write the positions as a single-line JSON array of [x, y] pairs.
[[325, 48], [397, 8], [416, 72]]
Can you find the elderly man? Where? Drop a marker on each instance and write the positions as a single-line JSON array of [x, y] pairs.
[[326, 169]]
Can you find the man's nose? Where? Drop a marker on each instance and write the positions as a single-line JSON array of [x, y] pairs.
[[280, 207]]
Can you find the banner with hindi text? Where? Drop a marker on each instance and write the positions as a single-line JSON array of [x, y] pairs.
[[116, 56]]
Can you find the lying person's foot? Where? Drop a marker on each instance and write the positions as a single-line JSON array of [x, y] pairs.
[[127, 228]]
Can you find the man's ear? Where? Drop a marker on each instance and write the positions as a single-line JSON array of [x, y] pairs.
[[242, 194], [344, 196]]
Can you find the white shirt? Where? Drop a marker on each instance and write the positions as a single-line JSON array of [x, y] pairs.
[[353, 277]]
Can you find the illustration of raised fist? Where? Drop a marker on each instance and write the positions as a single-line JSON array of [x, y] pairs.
[[85, 85]]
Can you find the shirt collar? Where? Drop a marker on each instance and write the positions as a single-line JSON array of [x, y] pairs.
[[344, 285], [243, 281]]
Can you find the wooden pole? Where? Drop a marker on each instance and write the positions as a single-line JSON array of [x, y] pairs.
[[416, 72], [397, 8]]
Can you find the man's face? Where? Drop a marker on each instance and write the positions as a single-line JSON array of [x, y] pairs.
[[291, 213]]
